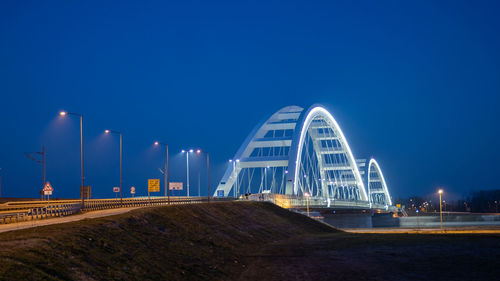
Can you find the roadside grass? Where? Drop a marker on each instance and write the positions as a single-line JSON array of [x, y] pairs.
[[178, 242], [237, 241]]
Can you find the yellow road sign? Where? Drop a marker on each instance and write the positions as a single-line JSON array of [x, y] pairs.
[[153, 185]]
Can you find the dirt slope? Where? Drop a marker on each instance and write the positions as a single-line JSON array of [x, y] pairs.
[[191, 242]]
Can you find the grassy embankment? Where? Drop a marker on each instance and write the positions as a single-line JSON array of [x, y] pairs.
[[204, 241], [237, 240]]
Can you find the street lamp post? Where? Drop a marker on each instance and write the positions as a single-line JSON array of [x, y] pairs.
[[440, 208], [265, 176], [64, 113], [236, 188], [121, 162], [0, 184], [208, 178], [418, 223], [187, 168], [307, 200], [165, 170]]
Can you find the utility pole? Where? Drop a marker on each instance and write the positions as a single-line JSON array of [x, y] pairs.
[[81, 158], [121, 171], [42, 153], [43, 164]]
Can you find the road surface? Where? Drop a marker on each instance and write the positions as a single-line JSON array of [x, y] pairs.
[[455, 230]]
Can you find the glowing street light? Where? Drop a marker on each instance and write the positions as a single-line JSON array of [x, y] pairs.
[[199, 151], [307, 195], [440, 191], [121, 162], [165, 170], [187, 167], [64, 114]]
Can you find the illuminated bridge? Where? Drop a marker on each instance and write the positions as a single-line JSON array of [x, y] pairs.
[[300, 156]]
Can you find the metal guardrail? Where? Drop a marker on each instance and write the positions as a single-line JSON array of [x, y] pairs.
[[12, 212], [36, 213], [100, 204]]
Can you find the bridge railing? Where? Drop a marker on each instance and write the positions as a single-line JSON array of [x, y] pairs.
[[293, 201]]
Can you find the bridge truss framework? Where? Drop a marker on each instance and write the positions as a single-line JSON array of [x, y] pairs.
[[297, 153]]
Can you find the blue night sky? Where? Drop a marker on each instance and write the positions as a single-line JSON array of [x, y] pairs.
[[415, 84]]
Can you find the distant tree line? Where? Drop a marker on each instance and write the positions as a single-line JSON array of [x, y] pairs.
[[483, 201]]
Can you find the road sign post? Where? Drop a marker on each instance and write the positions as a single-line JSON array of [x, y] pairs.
[[175, 186], [47, 191], [153, 186], [85, 191], [116, 190]]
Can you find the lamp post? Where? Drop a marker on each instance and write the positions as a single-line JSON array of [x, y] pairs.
[[418, 223], [187, 168], [121, 162], [234, 171], [265, 176], [165, 170], [440, 208], [0, 184], [235, 189], [208, 178], [63, 114], [198, 151], [307, 200]]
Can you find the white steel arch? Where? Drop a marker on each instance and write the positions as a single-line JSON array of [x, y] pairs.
[[264, 151], [294, 167], [294, 151], [376, 185]]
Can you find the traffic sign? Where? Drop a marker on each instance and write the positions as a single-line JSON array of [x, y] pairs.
[[175, 186], [153, 185], [116, 189], [85, 191], [47, 187], [132, 190]]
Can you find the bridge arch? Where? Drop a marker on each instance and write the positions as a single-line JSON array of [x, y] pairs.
[[295, 151], [377, 187], [337, 166]]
